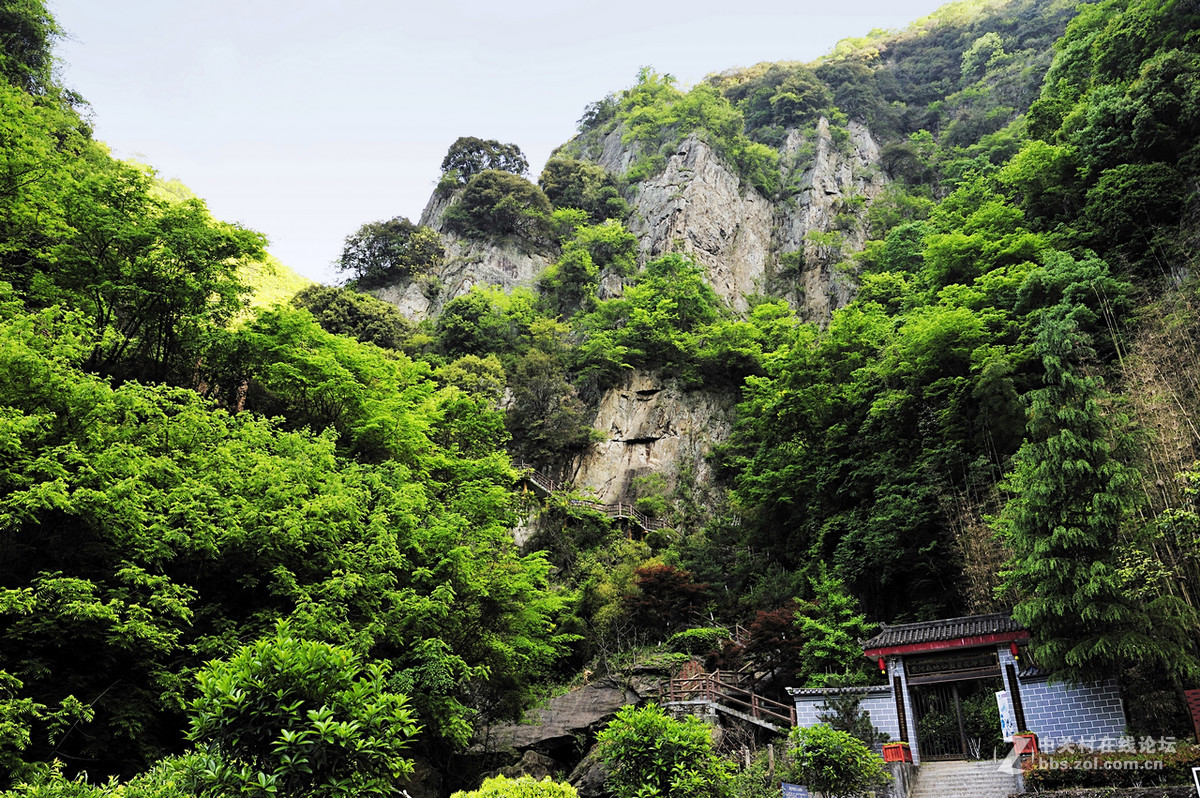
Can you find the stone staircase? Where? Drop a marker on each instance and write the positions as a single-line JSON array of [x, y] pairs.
[[959, 779]]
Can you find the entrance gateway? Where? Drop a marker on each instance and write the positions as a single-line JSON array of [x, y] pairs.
[[958, 688]]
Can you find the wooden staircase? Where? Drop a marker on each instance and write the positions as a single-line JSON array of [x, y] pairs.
[[620, 511], [726, 691]]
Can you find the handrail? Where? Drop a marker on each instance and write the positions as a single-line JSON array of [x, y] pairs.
[[713, 688], [616, 510]]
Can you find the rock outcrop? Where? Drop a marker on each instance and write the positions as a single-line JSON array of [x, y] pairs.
[[652, 425], [697, 205], [565, 719], [468, 263], [826, 202]]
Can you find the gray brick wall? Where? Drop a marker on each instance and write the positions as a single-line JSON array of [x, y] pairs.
[[876, 700], [1060, 714]]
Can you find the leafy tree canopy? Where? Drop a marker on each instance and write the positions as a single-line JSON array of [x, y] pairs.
[[286, 716], [647, 752], [469, 156], [383, 252]]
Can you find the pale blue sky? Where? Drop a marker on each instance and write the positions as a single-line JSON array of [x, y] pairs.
[[303, 120]]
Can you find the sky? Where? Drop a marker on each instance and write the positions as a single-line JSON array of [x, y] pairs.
[[304, 120]]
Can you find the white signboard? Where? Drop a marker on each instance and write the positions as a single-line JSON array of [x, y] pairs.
[[1008, 722]]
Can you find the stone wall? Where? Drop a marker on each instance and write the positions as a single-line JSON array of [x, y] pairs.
[[1061, 714], [878, 701]]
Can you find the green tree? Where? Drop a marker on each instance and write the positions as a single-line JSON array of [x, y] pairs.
[[157, 276], [289, 717], [469, 156], [520, 787], [570, 183], [27, 34], [343, 311], [546, 418], [649, 753], [382, 252], [842, 710], [830, 624], [1069, 498], [497, 203], [834, 763]]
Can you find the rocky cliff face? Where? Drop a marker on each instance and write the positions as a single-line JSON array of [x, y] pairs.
[[652, 426], [699, 206], [826, 202], [468, 263]]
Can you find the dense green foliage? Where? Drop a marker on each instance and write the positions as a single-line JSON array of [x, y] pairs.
[[468, 156], [148, 525], [569, 183], [382, 252], [521, 787], [495, 204], [285, 716], [650, 753], [834, 762], [343, 311], [999, 417]]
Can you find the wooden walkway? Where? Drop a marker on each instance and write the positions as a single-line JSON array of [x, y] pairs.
[[621, 511], [725, 691]]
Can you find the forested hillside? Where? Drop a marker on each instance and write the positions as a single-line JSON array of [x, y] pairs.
[[930, 302]]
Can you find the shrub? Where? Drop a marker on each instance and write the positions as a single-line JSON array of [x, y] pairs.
[[497, 203], [569, 183], [289, 716], [342, 311], [835, 762], [469, 156], [698, 641], [649, 753], [1073, 768], [521, 787], [381, 252]]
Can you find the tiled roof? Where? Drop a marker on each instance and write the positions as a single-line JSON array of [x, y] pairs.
[[1032, 671], [943, 630]]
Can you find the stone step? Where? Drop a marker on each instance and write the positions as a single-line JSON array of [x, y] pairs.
[[978, 779]]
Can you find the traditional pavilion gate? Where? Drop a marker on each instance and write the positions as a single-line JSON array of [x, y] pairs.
[[954, 702]]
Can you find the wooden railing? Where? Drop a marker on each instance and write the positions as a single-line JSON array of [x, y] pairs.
[[725, 689], [620, 510]]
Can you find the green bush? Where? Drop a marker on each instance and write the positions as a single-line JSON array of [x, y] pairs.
[[521, 787], [698, 641], [569, 183], [1085, 768], [342, 311], [649, 753], [172, 777], [289, 716], [835, 762], [381, 252]]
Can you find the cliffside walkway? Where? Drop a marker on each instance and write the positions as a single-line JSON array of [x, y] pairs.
[[621, 511], [724, 692]]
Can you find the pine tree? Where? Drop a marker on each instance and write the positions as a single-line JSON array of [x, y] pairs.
[[1069, 498]]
